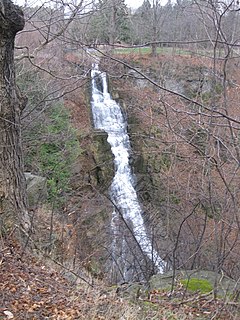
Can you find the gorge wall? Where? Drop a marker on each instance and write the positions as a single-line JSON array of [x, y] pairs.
[[168, 153], [168, 156]]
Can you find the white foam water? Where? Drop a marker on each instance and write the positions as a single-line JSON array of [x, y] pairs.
[[108, 116]]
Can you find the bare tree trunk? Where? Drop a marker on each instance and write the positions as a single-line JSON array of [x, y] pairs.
[[112, 33], [154, 44], [154, 29], [12, 181]]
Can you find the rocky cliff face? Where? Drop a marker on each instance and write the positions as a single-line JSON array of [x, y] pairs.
[[163, 139], [87, 215]]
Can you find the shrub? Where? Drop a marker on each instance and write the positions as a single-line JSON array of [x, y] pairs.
[[53, 150]]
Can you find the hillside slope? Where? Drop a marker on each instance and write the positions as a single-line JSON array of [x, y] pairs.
[[32, 288]]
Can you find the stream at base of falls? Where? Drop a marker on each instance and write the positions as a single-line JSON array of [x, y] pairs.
[[132, 249]]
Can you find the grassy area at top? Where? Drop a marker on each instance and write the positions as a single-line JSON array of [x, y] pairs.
[[147, 50]]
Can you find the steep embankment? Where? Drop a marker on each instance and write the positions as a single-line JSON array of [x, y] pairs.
[[168, 162], [184, 156], [35, 288]]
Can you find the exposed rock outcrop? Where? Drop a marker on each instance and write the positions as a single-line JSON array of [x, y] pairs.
[[36, 189]]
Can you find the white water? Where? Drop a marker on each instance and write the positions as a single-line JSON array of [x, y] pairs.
[[108, 116]]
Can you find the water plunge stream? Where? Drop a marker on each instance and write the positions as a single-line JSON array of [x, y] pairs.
[[108, 116]]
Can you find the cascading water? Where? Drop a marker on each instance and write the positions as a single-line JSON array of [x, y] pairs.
[[108, 116]]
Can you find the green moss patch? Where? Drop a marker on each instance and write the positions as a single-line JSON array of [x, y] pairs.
[[195, 284]]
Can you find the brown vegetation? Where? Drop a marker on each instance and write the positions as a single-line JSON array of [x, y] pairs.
[[36, 288], [189, 153]]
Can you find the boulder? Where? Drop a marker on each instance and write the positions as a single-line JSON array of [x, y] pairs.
[[223, 284], [36, 189]]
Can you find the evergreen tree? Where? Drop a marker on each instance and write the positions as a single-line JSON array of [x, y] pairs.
[[109, 23]]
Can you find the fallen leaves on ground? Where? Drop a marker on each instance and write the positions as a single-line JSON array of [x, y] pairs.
[[32, 290]]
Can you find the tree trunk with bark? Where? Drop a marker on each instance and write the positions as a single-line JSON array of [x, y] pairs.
[[112, 30], [154, 29], [12, 181]]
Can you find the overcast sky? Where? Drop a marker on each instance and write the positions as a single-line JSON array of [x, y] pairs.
[[134, 3]]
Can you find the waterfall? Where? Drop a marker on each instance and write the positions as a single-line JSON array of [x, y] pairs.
[[108, 116]]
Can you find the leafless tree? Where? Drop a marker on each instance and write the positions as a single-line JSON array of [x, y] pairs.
[[12, 182]]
